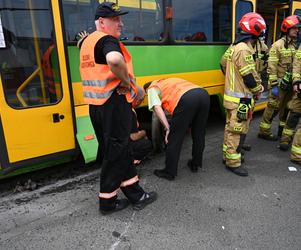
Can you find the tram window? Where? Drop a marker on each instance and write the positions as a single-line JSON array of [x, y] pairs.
[[202, 20], [297, 12], [143, 23], [281, 14], [28, 63], [242, 7]]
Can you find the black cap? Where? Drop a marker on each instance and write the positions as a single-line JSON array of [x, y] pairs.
[[108, 9]]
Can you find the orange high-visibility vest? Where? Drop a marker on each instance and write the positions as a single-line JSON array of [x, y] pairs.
[[47, 69], [172, 90], [98, 80]]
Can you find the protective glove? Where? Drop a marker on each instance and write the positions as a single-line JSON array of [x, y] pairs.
[[283, 84], [275, 91], [286, 81], [242, 112], [80, 36]]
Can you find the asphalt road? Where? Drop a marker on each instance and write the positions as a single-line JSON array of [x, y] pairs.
[[212, 209]]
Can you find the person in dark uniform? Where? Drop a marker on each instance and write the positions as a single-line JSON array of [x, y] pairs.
[[109, 89], [141, 145]]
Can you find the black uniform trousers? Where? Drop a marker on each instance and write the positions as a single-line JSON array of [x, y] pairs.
[[141, 148], [112, 124], [191, 111]]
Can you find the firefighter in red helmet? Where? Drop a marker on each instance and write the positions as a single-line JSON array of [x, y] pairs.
[[280, 64], [242, 85]]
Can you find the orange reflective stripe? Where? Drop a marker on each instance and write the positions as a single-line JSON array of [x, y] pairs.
[[130, 181], [108, 195]]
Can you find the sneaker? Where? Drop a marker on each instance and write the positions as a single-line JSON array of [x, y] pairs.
[[284, 146], [119, 205], [163, 174], [241, 171], [193, 168], [268, 137], [147, 198]]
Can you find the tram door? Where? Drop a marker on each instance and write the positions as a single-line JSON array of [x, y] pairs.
[[35, 105], [240, 7]]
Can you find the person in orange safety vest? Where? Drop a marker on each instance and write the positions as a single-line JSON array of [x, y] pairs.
[[109, 88], [189, 106]]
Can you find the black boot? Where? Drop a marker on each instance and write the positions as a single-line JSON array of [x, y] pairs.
[[119, 205], [147, 198], [163, 174], [284, 146], [241, 171], [268, 137], [193, 167], [296, 162], [246, 147]]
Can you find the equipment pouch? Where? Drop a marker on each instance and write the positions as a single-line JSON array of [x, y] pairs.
[[244, 111]]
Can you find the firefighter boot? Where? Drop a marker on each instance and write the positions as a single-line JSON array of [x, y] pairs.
[[284, 146], [163, 174], [147, 198], [268, 137], [241, 171], [119, 205], [246, 147], [193, 168]]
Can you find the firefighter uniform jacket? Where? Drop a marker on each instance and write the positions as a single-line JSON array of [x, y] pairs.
[[297, 65], [260, 57], [280, 59], [240, 65]]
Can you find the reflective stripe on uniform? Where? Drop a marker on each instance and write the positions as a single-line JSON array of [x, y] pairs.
[[265, 125], [296, 150], [232, 76], [281, 124], [296, 75], [231, 99], [273, 78], [231, 96], [247, 69], [225, 148], [298, 54], [97, 83], [95, 95], [130, 181], [108, 195], [234, 156], [288, 132], [273, 59], [238, 95]]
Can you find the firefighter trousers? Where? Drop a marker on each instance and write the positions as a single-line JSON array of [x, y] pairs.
[[191, 111], [296, 146], [292, 119], [234, 137], [275, 105], [112, 123]]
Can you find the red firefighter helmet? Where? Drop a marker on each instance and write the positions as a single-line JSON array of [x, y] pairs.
[[290, 22], [252, 23]]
